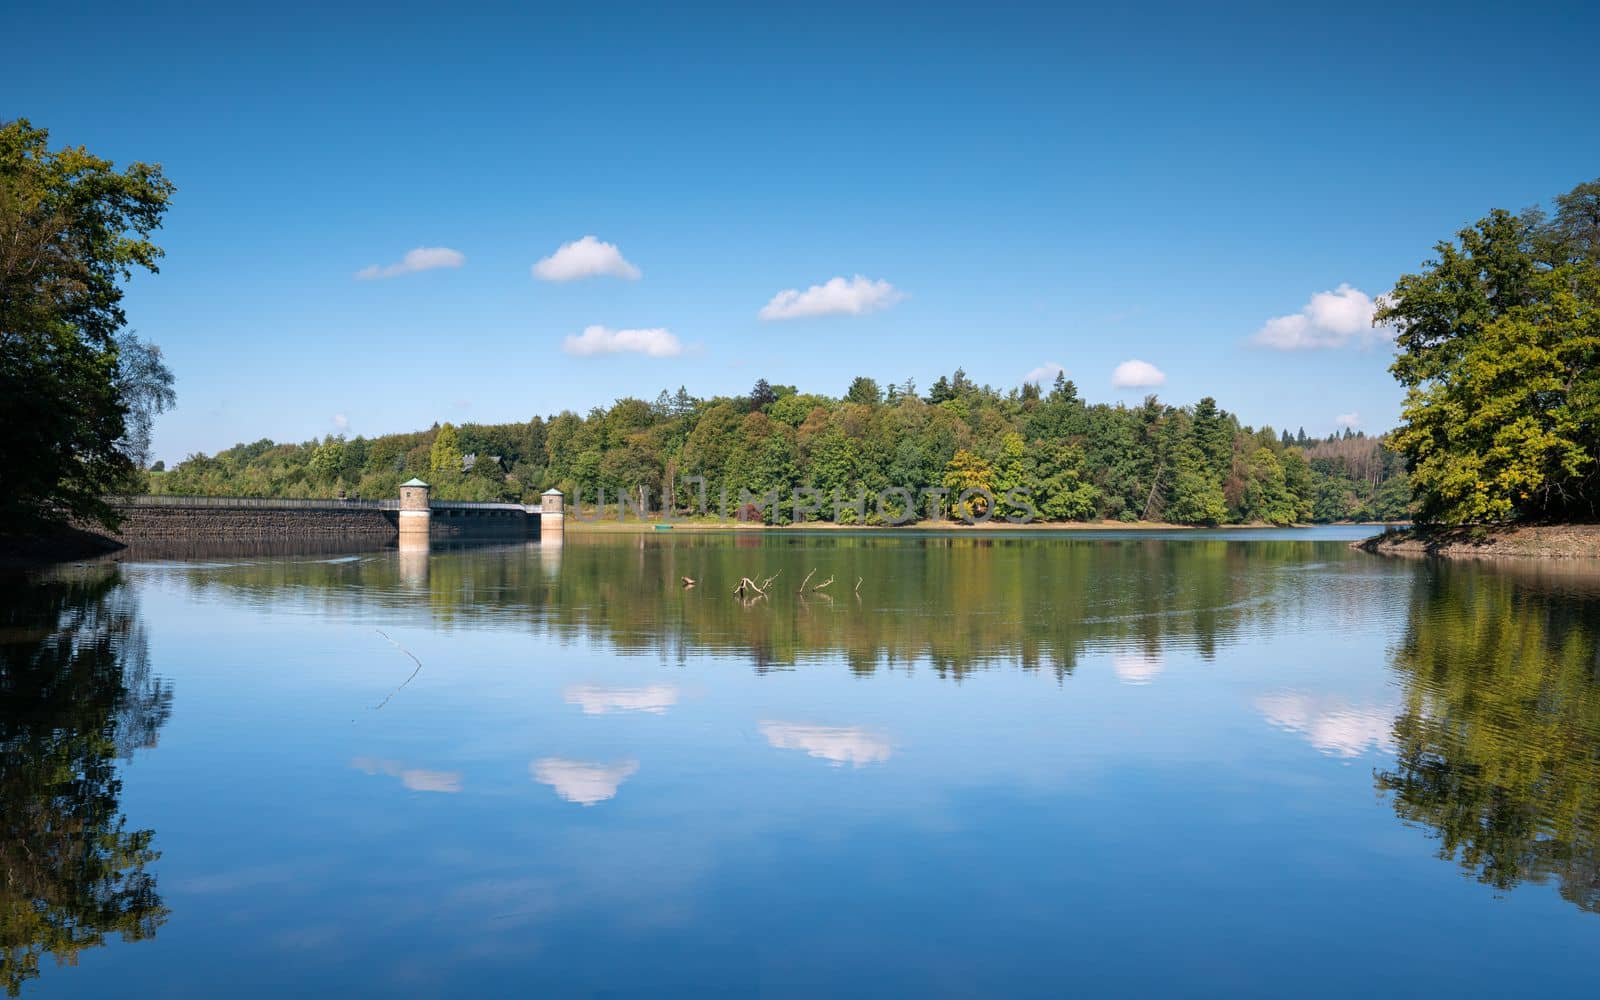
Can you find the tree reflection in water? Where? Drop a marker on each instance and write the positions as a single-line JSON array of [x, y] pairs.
[[1496, 742], [1498, 738], [956, 605], [76, 694]]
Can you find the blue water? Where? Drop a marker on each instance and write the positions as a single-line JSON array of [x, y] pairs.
[[1013, 765]]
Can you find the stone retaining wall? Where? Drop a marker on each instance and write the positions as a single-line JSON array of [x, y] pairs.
[[447, 522], [255, 523], [265, 523]]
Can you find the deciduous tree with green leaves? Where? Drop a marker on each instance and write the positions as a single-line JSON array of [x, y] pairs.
[[444, 458], [1499, 349], [72, 231]]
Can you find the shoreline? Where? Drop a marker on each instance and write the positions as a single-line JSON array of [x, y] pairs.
[[67, 544], [55, 546], [576, 526], [1489, 541]]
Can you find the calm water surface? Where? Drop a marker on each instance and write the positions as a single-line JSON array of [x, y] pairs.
[[1231, 764]]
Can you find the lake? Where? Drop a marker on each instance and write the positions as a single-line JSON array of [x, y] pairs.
[[1029, 763]]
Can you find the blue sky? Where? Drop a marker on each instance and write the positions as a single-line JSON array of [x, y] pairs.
[[1017, 186]]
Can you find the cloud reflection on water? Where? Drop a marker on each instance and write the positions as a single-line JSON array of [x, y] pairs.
[[581, 781], [1137, 668], [1331, 724], [599, 699], [415, 778], [839, 744]]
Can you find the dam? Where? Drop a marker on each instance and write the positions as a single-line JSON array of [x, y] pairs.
[[413, 516]]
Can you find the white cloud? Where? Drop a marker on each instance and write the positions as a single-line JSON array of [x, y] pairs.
[[415, 778], [1350, 420], [1136, 668], [1331, 724], [341, 422], [1046, 372], [1330, 319], [420, 259], [839, 744], [655, 342], [597, 699], [419, 780], [1137, 374], [854, 297], [581, 781], [585, 258]]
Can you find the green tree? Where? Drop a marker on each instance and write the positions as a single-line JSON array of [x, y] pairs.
[[327, 462], [793, 410], [833, 463], [1267, 497], [762, 464], [1196, 498], [865, 391], [1213, 436], [1016, 480], [1065, 493], [1300, 481], [72, 231], [1511, 430], [444, 457], [968, 471], [1499, 349]]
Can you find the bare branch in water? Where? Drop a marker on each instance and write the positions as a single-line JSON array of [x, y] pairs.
[[408, 680], [806, 581], [822, 584]]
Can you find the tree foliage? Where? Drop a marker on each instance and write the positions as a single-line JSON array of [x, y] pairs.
[[1499, 349], [1049, 456], [72, 231]]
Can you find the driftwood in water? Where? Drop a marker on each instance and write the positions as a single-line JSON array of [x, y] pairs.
[[688, 582], [858, 586], [823, 584], [748, 586], [409, 679], [806, 581]]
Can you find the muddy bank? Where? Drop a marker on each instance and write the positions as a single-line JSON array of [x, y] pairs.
[[1539, 541]]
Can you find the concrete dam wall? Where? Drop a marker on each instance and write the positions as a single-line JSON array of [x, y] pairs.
[[260, 519]]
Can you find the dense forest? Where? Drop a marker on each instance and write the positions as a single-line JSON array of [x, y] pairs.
[[1042, 453]]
